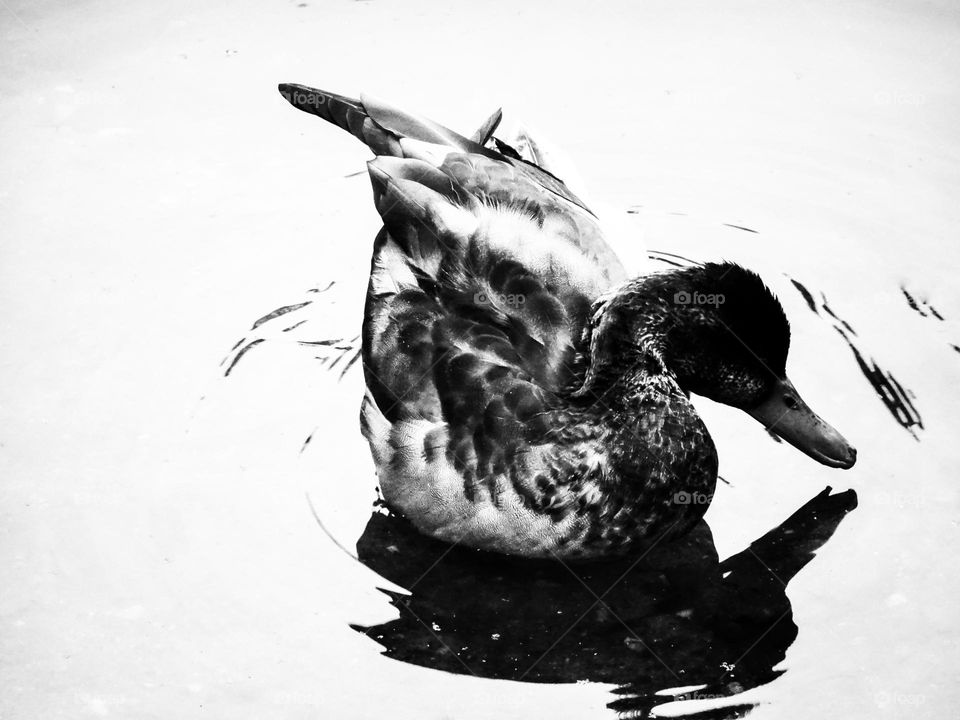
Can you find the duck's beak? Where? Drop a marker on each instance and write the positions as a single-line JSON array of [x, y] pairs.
[[786, 414]]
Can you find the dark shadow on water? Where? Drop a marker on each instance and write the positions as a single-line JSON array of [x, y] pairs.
[[675, 617]]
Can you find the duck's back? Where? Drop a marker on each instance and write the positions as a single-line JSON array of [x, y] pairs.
[[482, 237]]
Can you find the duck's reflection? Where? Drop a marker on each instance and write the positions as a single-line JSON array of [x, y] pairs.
[[676, 617]]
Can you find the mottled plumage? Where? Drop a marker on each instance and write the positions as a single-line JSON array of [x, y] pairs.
[[523, 396]]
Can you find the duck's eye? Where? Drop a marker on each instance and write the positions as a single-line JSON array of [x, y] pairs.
[[790, 401]]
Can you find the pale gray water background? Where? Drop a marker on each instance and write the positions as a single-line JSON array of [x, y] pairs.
[[158, 556]]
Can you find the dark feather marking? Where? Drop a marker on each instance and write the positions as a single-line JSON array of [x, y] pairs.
[[506, 149]]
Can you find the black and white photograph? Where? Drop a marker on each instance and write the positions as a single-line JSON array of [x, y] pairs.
[[478, 361]]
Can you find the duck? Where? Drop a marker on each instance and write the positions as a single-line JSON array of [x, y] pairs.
[[524, 395]]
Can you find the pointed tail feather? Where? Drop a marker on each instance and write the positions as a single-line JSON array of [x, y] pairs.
[[377, 124], [346, 113], [381, 127]]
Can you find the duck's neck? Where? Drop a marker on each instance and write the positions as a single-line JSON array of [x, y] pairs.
[[624, 346], [629, 383]]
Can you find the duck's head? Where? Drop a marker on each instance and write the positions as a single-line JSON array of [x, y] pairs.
[[723, 334]]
